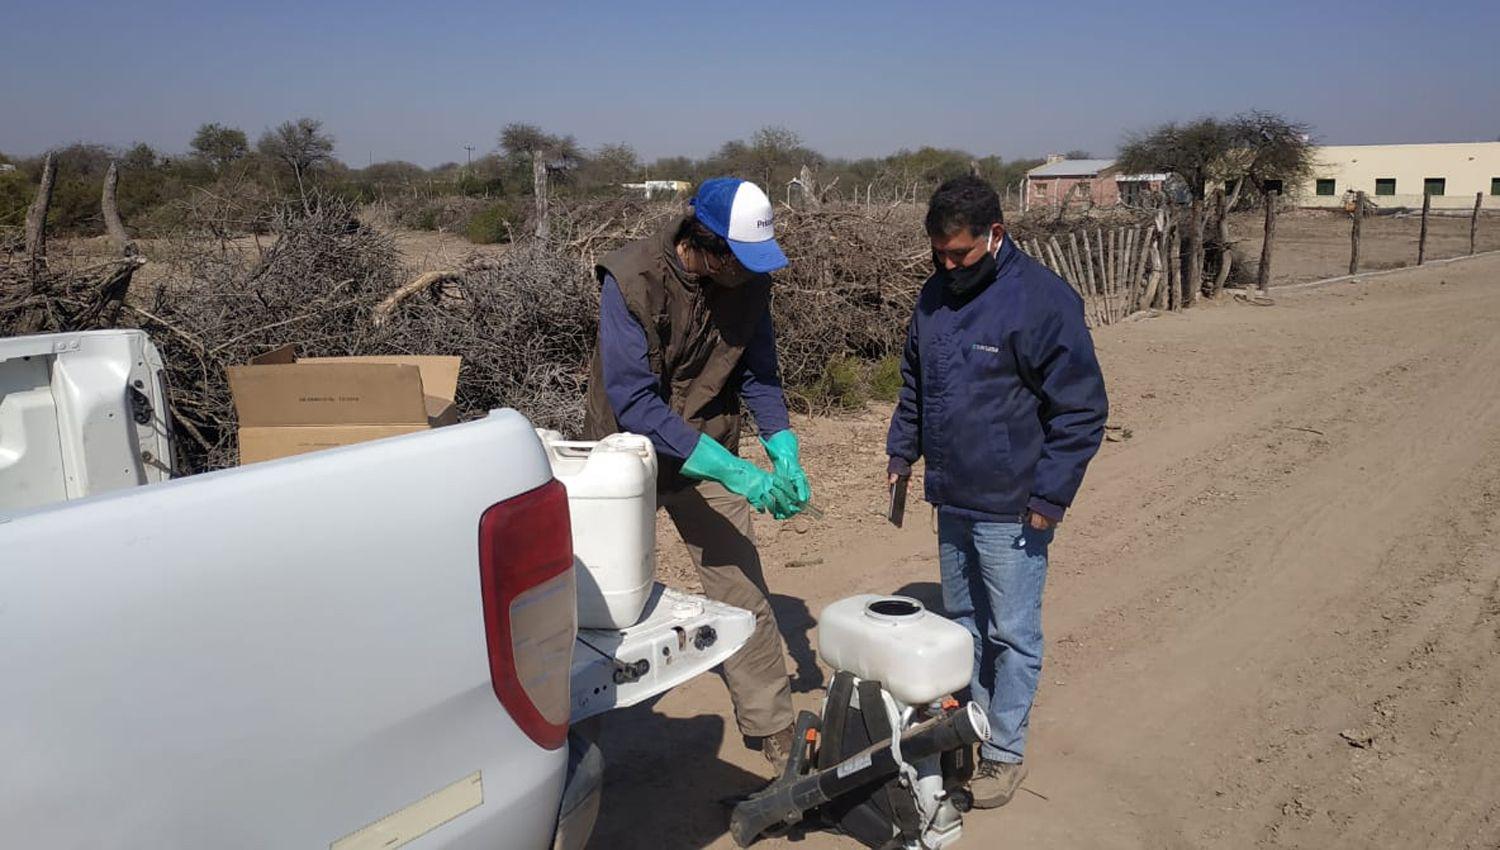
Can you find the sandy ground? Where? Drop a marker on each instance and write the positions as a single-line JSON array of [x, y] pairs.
[[1273, 616], [1314, 244]]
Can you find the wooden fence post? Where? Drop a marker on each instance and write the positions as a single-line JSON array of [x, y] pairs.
[[1226, 254], [1359, 217], [1192, 283], [1474, 221], [1422, 238], [1263, 279], [1174, 265]]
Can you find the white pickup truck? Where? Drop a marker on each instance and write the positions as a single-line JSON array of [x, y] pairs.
[[366, 647]]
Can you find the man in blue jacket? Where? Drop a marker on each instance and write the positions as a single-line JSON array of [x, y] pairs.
[[1002, 395]]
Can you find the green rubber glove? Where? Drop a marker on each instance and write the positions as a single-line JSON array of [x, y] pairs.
[[785, 456], [712, 462]]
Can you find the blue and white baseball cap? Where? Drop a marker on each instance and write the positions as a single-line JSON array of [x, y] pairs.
[[741, 213]]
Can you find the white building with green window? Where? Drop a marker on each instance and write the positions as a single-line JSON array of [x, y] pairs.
[[1399, 175]]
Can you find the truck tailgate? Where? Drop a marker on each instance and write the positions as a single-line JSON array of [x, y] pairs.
[[679, 636]]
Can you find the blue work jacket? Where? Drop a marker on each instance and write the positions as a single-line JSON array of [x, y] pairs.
[[1001, 394]]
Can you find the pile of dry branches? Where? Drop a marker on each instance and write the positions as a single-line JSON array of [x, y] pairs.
[[850, 288], [525, 325], [49, 301], [524, 322], [316, 286], [40, 295]]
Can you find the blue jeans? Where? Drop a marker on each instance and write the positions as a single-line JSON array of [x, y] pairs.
[[993, 573]]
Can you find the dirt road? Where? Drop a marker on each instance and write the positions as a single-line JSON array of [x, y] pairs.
[[1273, 618]]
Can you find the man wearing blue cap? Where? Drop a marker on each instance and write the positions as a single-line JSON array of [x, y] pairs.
[[685, 336]]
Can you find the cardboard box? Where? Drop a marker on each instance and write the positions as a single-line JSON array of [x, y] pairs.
[[288, 405]]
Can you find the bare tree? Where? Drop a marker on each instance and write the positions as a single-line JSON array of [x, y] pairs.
[[772, 148], [301, 145]]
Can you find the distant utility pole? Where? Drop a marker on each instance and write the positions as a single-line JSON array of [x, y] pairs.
[[469, 163]]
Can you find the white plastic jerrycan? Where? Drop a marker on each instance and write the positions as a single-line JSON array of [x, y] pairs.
[[612, 501], [917, 655]]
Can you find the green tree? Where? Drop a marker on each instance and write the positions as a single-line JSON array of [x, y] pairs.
[[220, 146]]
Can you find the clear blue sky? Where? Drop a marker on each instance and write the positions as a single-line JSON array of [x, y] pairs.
[[418, 82]]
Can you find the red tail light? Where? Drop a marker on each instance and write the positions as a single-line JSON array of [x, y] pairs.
[[530, 613]]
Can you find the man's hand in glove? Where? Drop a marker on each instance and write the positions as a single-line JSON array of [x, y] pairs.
[[785, 455], [712, 462]]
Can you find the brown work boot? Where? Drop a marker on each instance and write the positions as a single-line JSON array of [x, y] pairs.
[[995, 782], [777, 748]]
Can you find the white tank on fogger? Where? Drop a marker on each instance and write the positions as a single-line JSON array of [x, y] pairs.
[[916, 655], [612, 502]]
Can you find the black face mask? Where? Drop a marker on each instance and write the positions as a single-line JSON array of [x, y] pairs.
[[964, 282], [734, 277]]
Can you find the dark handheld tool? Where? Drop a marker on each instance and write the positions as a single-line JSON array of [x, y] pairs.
[[897, 511]]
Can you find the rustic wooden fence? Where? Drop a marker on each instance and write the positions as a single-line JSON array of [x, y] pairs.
[[1117, 271]]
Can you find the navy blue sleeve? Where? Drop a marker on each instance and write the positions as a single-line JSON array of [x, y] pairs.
[[1059, 356], [632, 388], [903, 443], [760, 380]]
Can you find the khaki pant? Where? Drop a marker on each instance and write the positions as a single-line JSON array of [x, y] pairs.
[[715, 524]]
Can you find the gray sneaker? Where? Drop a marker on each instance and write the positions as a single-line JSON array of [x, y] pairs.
[[995, 782]]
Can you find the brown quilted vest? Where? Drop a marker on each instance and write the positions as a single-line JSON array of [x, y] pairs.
[[695, 336]]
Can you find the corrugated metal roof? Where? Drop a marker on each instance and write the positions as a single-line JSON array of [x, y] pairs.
[[1071, 168]]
